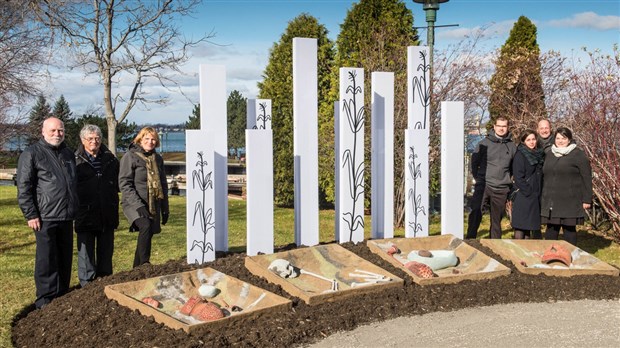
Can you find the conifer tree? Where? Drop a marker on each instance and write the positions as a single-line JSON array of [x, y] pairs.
[[39, 112], [237, 118], [516, 86]]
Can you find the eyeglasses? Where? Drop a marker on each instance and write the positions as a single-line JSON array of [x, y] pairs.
[[93, 139]]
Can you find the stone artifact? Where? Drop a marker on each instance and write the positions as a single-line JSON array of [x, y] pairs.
[[557, 253], [208, 291], [285, 269], [419, 269], [435, 259]]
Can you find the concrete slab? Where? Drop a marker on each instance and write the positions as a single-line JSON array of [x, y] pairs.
[[324, 273], [237, 299], [472, 264], [526, 255]]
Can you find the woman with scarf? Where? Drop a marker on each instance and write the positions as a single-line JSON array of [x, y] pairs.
[[144, 189], [527, 173], [567, 187]]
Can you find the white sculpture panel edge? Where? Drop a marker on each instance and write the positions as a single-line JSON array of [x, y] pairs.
[[306, 141], [452, 168]]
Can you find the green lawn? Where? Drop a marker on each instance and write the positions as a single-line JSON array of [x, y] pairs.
[[17, 246]]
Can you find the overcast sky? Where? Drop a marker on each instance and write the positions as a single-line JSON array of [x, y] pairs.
[[245, 30]]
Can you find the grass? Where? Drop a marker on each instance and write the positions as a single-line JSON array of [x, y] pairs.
[[17, 246]]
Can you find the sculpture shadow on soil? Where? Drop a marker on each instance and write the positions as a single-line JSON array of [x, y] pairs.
[[86, 317]]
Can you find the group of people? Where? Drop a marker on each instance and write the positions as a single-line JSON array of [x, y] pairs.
[[546, 178], [59, 190]]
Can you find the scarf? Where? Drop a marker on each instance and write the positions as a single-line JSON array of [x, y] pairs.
[[153, 183], [562, 151], [533, 157]]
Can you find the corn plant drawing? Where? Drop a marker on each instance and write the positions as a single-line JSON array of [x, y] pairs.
[[422, 88], [412, 195], [205, 216], [262, 116], [355, 171]]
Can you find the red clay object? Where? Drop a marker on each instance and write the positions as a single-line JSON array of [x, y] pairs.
[[151, 302], [190, 304], [557, 253], [419, 269]]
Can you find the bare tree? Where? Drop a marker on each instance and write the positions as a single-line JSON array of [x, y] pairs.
[[124, 40], [594, 116], [23, 48]]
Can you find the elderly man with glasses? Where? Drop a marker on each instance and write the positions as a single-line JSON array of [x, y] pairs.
[[97, 218]]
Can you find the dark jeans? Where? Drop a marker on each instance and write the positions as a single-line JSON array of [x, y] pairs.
[[496, 199], [143, 249], [570, 233], [95, 250], [52, 267]]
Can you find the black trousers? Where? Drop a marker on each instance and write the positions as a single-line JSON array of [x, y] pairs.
[[95, 250], [145, 236], [475, 216], [496, 199], [52, 267], [570, 233]]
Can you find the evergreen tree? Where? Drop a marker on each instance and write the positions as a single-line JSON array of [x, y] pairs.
[[62, 111], [39, 112], [374, 36], [278, 86], [516, 86], [194, 119], [236, 106]]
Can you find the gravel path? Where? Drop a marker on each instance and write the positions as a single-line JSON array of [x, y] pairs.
[[583, 323]]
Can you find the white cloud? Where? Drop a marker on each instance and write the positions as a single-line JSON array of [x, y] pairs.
[[588, 20], [490, 30]]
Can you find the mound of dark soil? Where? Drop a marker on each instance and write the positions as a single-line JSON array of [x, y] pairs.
[[87, 318]]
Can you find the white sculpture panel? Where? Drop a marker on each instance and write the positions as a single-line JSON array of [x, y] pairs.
[[350, 185], [452, 168], [200, 196]]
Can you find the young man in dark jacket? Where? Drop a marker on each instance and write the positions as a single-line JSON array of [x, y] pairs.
[[97, 175], [491, 165], [47, 196]]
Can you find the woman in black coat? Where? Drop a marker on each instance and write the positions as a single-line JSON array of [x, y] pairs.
[[567, 188], [144, 189], [527, 174]]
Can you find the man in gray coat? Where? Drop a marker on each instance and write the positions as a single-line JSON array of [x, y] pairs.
[[543, 132], [47, 196], [491, 165]]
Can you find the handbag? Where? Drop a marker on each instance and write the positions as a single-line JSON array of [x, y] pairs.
[[512, 194]]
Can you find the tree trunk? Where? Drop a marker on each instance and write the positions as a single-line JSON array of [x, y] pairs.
[[111, 133]]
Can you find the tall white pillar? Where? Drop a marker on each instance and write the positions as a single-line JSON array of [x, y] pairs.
[[200, 196], [350, 185], [417, 142], [213, 118], [452, 166], [306, 141], [382, 147], [258, 114], [259, 170]]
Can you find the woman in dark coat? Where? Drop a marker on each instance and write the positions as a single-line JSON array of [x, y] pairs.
[[527, 174], [567, 187], [144, 189]]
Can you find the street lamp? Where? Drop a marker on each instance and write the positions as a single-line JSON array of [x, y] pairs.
[[430, 8]]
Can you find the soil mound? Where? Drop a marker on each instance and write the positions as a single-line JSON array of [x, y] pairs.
[[87, 318]]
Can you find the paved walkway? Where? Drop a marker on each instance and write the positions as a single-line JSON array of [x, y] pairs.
[[563, 324]]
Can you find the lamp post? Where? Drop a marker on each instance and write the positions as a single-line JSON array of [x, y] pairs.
[[430, 8]]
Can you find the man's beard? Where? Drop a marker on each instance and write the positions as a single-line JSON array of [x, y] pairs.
[[55, 141]]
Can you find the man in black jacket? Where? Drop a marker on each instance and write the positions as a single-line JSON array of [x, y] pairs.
[[97, 183], [491, 166], [47, 196]]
